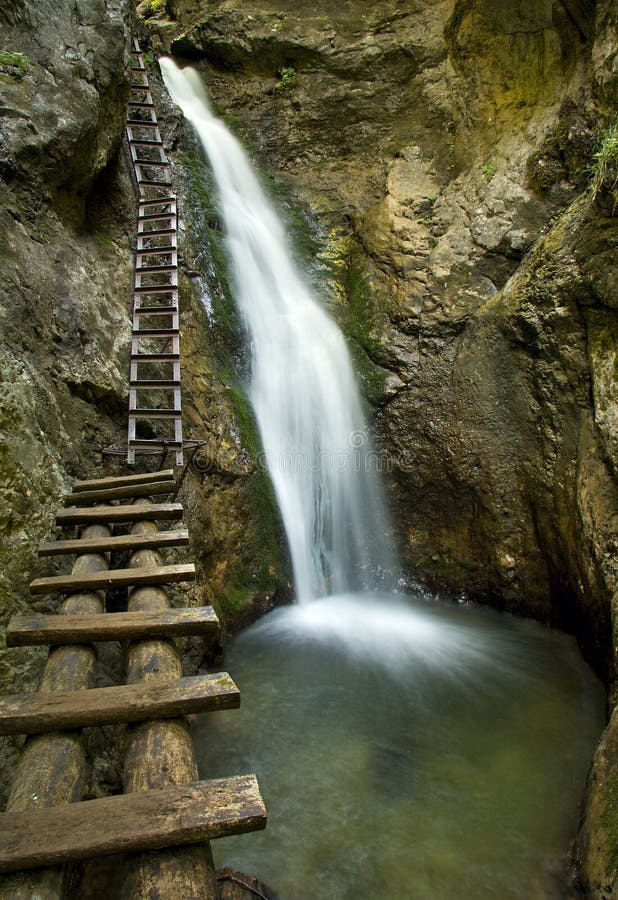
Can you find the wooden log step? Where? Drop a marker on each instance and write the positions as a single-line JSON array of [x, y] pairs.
[[148, 820], [121, 493], [68, 710], [110, 578], [116, 481], [120, 542], [28, 631], [134, 512]]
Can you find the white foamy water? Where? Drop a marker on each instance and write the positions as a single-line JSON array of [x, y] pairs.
[[302, 387]]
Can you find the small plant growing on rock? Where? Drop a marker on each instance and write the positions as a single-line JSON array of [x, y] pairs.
[[149, 9], [605, 179], [287, 76], [14, 64], [489, 171]]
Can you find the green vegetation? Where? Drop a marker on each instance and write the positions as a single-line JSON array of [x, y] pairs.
[[605, 179], [357, 323], [287, 77], [203, 223], [150, 9], [14, 64], [489, 171]]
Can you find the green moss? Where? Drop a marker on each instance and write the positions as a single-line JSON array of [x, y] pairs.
[[204, 225], [609, 821], [14, 64], [439, 567], [605, 179], [358, 322]]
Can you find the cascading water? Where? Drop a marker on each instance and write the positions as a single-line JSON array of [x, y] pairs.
[[302, 387], [405, 748]]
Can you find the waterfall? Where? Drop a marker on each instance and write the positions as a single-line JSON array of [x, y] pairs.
[[302, 387]]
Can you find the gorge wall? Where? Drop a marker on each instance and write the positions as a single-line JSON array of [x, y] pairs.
[[434, 161]]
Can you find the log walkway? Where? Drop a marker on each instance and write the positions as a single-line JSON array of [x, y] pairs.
[[158, 830], [164, 804]]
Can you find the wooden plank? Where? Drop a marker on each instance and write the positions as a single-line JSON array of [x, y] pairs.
[[25, 631], [65, 710], [121, 493], [114, 578], [95, 484], [129, 513], [176, 538], [150, 820]]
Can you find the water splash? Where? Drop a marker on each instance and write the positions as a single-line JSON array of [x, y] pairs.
[[302, 386]]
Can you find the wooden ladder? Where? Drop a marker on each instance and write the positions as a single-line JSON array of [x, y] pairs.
[[155, 402], [163, 806]]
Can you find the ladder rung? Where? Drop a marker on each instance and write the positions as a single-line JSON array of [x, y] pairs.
[[155, 310], [148, 489], [145, 201], [135, 104], [149, 270], [141, 123], [155, 357], [141, 143], [62, 710], [129, 823], [159, 232], [153, 384], [151, 443], [155, 251], [157, 217], [156, 289], [151, 164], [110, 578], [154, 332], [120, 542], [133, 512], [150, 182], [30, 631], [155, 413]]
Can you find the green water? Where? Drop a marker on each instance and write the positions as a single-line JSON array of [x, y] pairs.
[[406, 750]]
